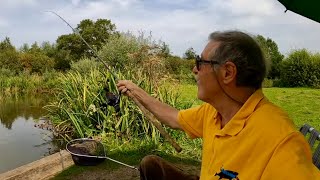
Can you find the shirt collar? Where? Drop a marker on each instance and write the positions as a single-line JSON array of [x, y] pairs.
[[236, 124]]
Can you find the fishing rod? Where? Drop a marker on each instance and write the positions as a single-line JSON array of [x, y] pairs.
[[146, 112], [94, 52]]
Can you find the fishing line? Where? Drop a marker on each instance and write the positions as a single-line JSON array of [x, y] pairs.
[[93, 51], [148, 114]]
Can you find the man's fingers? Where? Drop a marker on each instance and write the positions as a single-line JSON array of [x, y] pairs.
[[123, 83], [124, 86], [124, 90]]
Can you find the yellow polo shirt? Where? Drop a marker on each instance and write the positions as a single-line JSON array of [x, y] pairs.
[[259, 142]]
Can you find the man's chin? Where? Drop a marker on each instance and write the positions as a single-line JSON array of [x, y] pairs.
[[200, 97]]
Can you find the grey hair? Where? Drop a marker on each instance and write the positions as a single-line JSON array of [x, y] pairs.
[[244, 52]]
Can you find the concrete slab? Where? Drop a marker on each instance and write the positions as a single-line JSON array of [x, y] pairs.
[[42, 169]]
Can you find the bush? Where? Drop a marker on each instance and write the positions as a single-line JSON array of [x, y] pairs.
[[316, 70], [85, 65], [50, 81], [180, 69], [300, 69], [130, 53], [277, 83], [6, 72], [36, 62], [267, 83], [9, 59], [116, 52]]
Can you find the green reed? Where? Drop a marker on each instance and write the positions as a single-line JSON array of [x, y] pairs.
[[78, 108], [26, 83]]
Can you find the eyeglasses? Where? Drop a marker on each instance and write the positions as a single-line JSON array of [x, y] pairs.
[[200, 61]]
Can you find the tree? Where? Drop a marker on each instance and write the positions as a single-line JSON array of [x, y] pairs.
[[9, 59], [95, 34], [9, 56], [35, 62], [62, 60], [190, 54], [164, 50], [48, 49], [36, 59], [35, 48], [24, 48], [6, 44], [123, 51], [300, 69], [272, 55]]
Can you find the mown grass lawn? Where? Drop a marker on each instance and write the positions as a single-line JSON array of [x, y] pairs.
[[302, 104], [131, 155]]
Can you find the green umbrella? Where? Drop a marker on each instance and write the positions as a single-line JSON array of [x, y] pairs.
[[306, 8]]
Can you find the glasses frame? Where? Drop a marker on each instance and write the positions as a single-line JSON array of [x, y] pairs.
[[200, 61]]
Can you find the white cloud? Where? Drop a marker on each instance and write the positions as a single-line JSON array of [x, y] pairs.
[[180, 23], [249, 7], [3, 23], [125, 3], [17, 3], [75, 2]]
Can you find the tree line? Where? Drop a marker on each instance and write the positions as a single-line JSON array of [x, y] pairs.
[[124, 50]]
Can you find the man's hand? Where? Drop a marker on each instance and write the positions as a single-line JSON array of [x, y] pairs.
[[152, 107], [163, 112], [126, 85]]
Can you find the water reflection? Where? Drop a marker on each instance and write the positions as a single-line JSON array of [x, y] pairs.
[[25, 107], [20, 141]]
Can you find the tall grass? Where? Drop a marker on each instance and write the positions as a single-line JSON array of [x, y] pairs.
[[26, 83], [79, 109]]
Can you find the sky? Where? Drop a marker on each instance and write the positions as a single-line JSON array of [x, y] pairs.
[[179, 23]]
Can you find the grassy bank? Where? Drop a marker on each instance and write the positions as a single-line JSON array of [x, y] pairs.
[[131, 155]]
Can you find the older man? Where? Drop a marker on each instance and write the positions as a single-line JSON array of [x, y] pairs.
[[244, 135]]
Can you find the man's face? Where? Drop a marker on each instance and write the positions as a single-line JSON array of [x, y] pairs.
[[207, 82]]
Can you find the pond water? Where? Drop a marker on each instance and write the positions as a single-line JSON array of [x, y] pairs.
[[21, 141]]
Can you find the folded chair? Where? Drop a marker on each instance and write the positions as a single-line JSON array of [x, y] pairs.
[[314, 137]]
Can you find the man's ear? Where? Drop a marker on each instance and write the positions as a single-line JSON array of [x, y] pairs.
[[229, 72]]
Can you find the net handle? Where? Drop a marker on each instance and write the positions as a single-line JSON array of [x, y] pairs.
[[89, 156]]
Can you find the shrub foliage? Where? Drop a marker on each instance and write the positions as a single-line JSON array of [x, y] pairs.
[[300, 69]]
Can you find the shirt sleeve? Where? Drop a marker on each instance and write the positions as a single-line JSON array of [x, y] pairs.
[[191, 121], [291, 159]]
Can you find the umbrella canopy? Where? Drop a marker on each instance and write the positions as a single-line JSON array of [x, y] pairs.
[[306, 8]]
